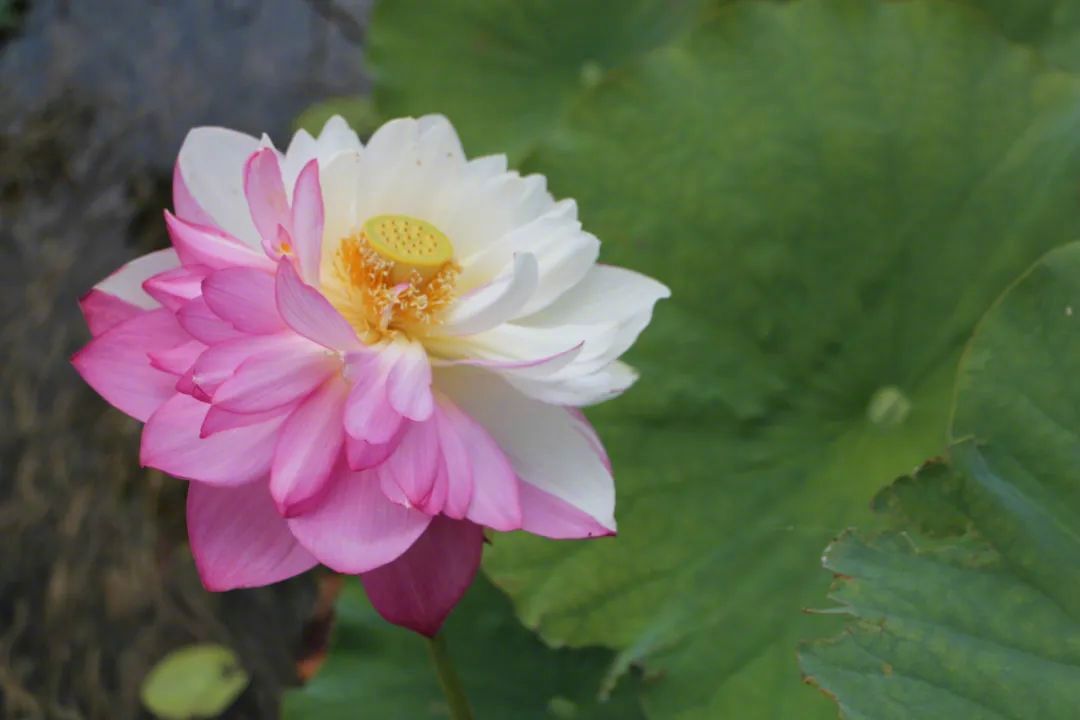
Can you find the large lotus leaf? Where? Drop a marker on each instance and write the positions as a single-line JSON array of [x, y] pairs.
[[381, 672], [979, 618], [1051, 26], [835, 191], [506, 70]]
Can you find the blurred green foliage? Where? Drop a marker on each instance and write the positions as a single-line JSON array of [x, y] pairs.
[[836, 191]]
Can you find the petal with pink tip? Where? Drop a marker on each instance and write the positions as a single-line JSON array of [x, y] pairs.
[[353, 528], [544, 443], [239, 540], [455, 463], [202, 245], [245, 298], [265, 193], [117, 365], [103, 311], [185, 206], [174, 288], [275, 377], [310, 445], [310, 314], [127, 282], [211, 163], [544, 514], [306, 220], [408, 384], [171, 443], [218, 420], [420, 588]]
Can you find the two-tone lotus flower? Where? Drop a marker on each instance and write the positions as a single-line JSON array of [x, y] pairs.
[[361, 356]]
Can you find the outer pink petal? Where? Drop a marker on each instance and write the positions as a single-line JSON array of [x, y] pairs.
[[274, 378], [117, 365], [310, 314], [307, 221], [310, 445], [171, 443], [103, 311], [408, 385], [456, 464], [174, 288], [544, 514], [203, 245], [218, 420], [265, 193], [204, 324], [353, 528], [420, 588], [245, 298], [184, 203], [239, 540]]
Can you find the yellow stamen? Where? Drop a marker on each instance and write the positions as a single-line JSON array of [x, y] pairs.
[[396, 275]]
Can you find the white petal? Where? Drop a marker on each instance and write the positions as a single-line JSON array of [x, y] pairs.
[[543, 442], [606, 294], [495, 303], [126, 283], [212, 163]]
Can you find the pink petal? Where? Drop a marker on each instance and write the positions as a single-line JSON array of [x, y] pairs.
[[204, 324], [420, 588], [117, 365], [103, 311], [203, 245], [265, 193], [368, 414], [218, 420], [352, 527], [408, 476], [171, 443], [408, 385], [126, 283], [174, 288], [177, 360], [544, 514], [363, 455], [307, 221], [275, 377], [310, 444], [455, 464], [184, 203], [220, 361], [239, 540], [245, 298], [495, 499], [310, 314]]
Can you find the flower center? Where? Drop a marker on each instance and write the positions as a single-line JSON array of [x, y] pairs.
[[396, 275]]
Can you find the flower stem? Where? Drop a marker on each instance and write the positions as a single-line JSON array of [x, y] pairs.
[[449, 680]]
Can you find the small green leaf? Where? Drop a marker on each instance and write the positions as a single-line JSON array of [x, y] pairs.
[[195, 681], [971, 606]]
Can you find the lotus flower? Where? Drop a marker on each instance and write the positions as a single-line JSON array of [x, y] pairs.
[[363, 356]]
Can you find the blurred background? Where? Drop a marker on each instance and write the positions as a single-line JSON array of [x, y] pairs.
[[96, 584]]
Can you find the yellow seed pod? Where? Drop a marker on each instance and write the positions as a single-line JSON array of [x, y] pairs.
[[409, 243]]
